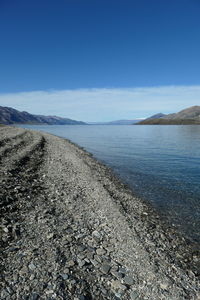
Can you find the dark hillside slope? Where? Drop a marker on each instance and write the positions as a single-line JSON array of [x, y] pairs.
[[10, 115]]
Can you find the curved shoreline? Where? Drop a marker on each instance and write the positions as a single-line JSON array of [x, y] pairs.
[[77, 205], [150, 216]]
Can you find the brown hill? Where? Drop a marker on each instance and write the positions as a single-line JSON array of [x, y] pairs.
[[188, 116]]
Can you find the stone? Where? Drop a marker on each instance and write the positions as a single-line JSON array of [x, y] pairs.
[[90, 255], [50, 236], [117, 286], [117, 296], [4, 294], [65, 276], [122, 270], [34, 296], [134, 295], [100, 251], [69, 239], [164, 286], [96, 235], [5, 230], [105, 268], [98, 258], [95, 263], [116, 274], [70, 263], [128, 280], [32, 266], [81, 248], [81, 263]]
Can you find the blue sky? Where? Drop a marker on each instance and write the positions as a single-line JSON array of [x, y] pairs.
[[52, 51]]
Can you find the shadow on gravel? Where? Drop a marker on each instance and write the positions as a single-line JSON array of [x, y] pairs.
[[18, 185]]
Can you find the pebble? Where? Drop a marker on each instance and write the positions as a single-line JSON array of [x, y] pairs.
[[164, 286], [105, 268], [95, 263], [32, 266], [96, 235], [69, 239], [122, 270], [116, 274], [81, 263], [50, 236], [65, 276], [100, 251], [98, 258], [5, 229], [117, 286], [128, 280], [34, 296], [134, 295], [70, 263]]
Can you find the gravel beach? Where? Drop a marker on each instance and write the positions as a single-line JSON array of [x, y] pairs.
[[71, 230]]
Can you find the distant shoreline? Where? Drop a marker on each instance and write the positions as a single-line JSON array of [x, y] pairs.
[[168, 122]]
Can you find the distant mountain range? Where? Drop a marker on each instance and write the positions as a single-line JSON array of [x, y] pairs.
[[10, 115], [188, 116], [117, 122]]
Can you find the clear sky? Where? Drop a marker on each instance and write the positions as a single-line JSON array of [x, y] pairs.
[[69, 47]]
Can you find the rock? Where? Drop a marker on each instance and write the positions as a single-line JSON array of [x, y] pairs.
[[4, 294], [65, 276], [116, 274], [81, 263], [134, 295], [118, 296], [105, 268], [70, 263], [100, 251], [116, 286], [34, 296], [90, 255], [96, 235], [32, 266], [81, 248], [69, 239], [128, 280], [5, 229], [95, 263], [50, 236], [122, 270], [164, 286], [98, 258]]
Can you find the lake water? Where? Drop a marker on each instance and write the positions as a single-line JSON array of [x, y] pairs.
[[160, 163]]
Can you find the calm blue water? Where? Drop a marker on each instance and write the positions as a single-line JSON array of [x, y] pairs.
[[160, 163]]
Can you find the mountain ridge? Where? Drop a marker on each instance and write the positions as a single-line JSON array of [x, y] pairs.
[[188, 116], [9, 115]]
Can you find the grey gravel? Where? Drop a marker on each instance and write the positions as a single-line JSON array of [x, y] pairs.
[[71, 230]]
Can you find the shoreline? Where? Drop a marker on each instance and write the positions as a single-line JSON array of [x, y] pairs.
[[102, 214], [150, 214], [156, 214]]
